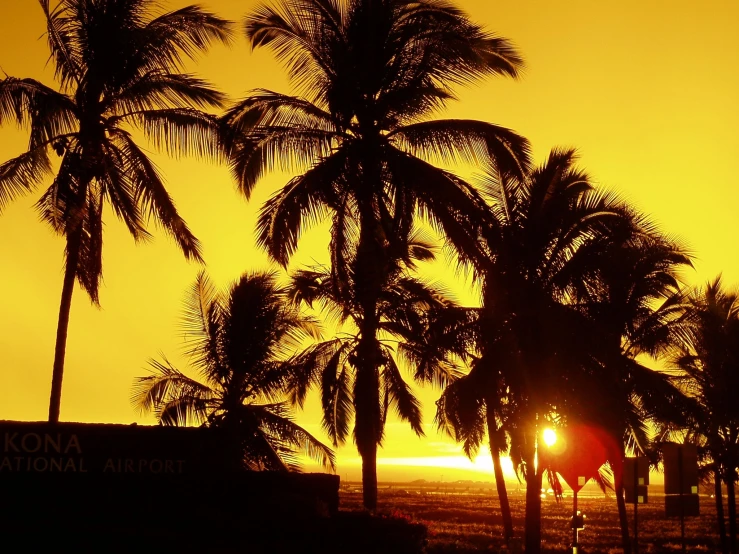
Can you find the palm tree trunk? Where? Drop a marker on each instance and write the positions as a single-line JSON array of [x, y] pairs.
[[732, 510], [65, 306], [368, 425], [495, 449], [533, 509], [622, 516], [720, 510], [367, 420], [369, 477]]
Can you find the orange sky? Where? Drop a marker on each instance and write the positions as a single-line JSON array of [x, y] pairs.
[[647, 91]]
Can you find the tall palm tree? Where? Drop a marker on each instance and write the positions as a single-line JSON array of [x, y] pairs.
[[118, 66], [404, 308], [243, 344], [540, 251], [637, 305], [368, 75], [709, 363]]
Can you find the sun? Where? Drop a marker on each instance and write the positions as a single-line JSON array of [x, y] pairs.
[[550, 437]]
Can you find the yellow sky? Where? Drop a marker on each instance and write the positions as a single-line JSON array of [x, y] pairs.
[[647, 91]]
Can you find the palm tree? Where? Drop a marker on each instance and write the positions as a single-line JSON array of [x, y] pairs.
[[540, 250], [709, 366], [471, 406], [368, 74], [636, 304], [242, 343], [405, 308], [118, 67]]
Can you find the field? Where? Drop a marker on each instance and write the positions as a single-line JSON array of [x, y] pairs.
[[466, 519]]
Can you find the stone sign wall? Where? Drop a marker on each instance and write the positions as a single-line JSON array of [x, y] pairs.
[[144, 483]]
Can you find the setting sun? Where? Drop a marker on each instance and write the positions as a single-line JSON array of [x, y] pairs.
[[550, 437]]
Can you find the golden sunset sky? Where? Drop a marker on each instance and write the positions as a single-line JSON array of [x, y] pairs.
[[648, 91]]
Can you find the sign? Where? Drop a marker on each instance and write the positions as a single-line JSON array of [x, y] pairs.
[[681, 480], [65, 448], [126, 485], [636, 479], [681, 468], [578, 454], [686, 505], [636, 471]]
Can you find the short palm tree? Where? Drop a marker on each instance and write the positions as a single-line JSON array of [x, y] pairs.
[[118, 66], [473, 408], [709, 366], [243, 344], [405, 307], [368, 73]]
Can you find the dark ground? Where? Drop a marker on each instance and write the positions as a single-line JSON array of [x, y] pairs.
[[466, 519]]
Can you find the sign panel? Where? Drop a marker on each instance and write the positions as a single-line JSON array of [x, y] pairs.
[[686, 505], [638, 496], [681, 468], [636, 471]]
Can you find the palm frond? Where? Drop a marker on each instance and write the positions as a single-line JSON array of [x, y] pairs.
[[201, 325], [317, 287], [448, 202], [461, 50], [23, 173], [152, 194], [460, 412], [89, 268], [57, 205], [336, 397], [344, 240], [303, 200], [264, 109], [302, 37], [167, 386], [407, 406], [182, 34], [467, 141], [51, 114], [502, 192], [180, 131], [290, 149], [158, 89], [275, 422], [305, 369], [63, 34], [120, 191]]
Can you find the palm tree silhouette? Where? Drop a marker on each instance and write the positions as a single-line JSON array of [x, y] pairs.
[[709, 366], [243, 344], [528, 335], [404, 308], [637, 306], [471, 407], [117, 65], [368, 75]]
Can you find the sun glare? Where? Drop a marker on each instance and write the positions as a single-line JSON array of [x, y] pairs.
[[550, 437], [482, 463]]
